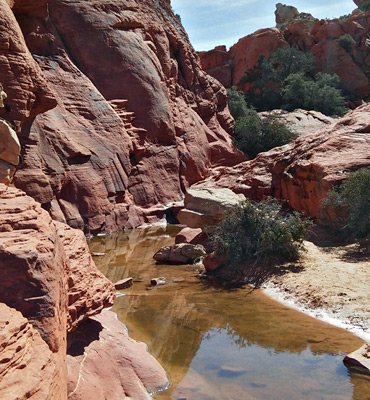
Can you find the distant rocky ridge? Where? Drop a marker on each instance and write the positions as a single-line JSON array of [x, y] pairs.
[[307, 33]]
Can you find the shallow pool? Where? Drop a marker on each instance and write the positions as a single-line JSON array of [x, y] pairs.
[[217, 344]]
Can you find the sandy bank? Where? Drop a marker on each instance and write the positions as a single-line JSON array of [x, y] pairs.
[[333, 285]]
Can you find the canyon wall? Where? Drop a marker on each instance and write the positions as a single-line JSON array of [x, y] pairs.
[[115, 115]]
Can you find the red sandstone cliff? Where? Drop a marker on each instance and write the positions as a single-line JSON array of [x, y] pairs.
[[133, 120], [318, 36], [50, 288]]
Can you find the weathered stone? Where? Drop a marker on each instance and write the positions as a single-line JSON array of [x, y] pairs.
[[214, 261], [301, 122], [205, 206], [360, 357], [28, 368], [183, 253], [284, 14], [105, 363], [124, 283]]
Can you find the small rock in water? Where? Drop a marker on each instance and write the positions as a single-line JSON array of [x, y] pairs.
[[360, 357], [98, 254], [158, 281], [178, 280], [230, 372], [124, 283]]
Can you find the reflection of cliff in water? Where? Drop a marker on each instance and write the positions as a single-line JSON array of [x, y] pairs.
[[179, 319]]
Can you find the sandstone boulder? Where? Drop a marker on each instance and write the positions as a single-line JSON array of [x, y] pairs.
[[184, 253], [194, 236], [205, 206], [360, 357], [28, 369], [105, 363]]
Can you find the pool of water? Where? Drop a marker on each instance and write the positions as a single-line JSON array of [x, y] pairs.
[[224, 345]]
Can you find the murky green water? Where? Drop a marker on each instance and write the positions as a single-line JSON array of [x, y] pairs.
[[229, 345]]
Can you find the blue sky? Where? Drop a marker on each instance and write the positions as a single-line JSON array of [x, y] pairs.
[[213, 22]]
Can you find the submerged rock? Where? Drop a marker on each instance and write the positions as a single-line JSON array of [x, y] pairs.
[[184, 253], [124, 284]]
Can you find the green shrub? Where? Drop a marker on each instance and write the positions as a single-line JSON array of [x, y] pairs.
[[350, 205], [254, 134], [322, 94], [364, 6], [346, 42], [344, 18], [237, 104], [260, 232], [286, 80]]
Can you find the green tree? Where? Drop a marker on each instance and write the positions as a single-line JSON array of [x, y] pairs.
[[322, 94], [254, 134], [346, 42], [350, 204]]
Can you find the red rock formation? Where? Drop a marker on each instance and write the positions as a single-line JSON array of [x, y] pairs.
[[322, 39], [246, 51], [48, 275], [216, 63], [133, 127], [302, 172], [115, 367], [27, 90], [28, 369]]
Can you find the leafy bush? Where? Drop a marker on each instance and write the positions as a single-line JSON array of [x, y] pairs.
[[350, 205], [364, 6], [237, 104], [260, 232], [286, 80], [322, 94], [346, 42], [254, 134]]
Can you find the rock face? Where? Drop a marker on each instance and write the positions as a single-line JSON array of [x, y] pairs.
[[284, 14], [302, 172], [48, 275], [184, 253], [204, 206], [27, 368], [116, 359], [110, 152], [308, 34]]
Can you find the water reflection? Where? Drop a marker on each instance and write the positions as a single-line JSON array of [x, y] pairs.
[[218, 344]]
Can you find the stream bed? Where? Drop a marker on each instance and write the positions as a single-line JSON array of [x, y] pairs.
[[224, 345]]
